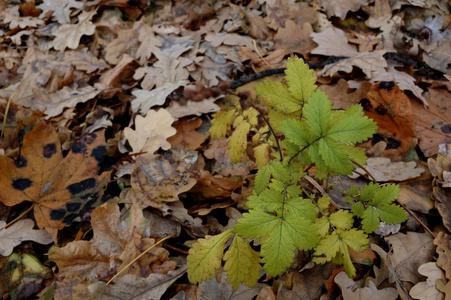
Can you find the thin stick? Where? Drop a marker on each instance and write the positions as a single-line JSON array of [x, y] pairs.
[[18, 218], [261, 56], [8, 104], [366, 171], [139, 256], [418, 220]]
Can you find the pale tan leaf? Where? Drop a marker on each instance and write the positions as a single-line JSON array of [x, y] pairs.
[[351, 292], [341, 7], [368, 62], [196, 108], [84, 60], [68, 35], [151, 132], [333, 42], [61, 9], [379, 14], [385, 170], [145, 100], [149, 43], [426, 289], [21, 231]]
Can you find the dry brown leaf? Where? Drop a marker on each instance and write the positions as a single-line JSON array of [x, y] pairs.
[[294, 38], [145, 100], [187, 136], [118, 239], [151, 132], [21, 231], [440, 57], [12, 16], [68, 35], [61, 9], [126, 42], [340, 8], [195, 108], [383, 169], [426, 289], [410, 251], [444, 252], [158, 180], [10, 57], [84, 60], [339, 95], [368, 62], [149, 43], [57, 187], [351, 292], [379, 14], [333, 42]]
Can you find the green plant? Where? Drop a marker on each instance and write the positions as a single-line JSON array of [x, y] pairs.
[[298, 128]]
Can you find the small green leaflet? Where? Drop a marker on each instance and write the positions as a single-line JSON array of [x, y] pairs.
[[300, 79]]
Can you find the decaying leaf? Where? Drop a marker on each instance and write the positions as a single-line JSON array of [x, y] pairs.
[[21, 231], [69, 35], [333, 42], [426, 289], [383, 169], [442, 241], [61, 189], [187, 136], [351, 292]]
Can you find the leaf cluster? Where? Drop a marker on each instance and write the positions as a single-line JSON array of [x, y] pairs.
[[283, 216]]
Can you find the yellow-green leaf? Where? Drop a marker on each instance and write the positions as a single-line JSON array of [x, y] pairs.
[[221, 123], [205, 256], [300, 78], [238, 141], [242, 263]]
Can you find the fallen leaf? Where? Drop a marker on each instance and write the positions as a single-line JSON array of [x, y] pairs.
[[196, 108], [158, 180], [440, 57], [443, 204], [379, 14], [426, 289], [333, 42], [84, 60], [61, 189], [339, 95], [351, 292], [187, 136], [149, 43], [294, 38], [151, 132], [21, 231], [118, 239], [340, 8], [409, 252], [145, 100], [368, 62], [442, 241], [383, 169], [68, 35], [61, 9], [126, 42]]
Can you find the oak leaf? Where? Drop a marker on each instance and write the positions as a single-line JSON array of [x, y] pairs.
[[427, 289], [350, 292], [61, 9], [151, 132], [61, 189], [333, 42], [187, 136], [341, 7], [21, 231], [68, 35]]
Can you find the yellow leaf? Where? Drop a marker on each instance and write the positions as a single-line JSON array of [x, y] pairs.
[[238, 140], [205, 257], [221, 122], [261, 153], [242, 263]]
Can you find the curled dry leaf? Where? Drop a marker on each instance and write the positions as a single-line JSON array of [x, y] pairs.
[[21, 231], [442, 241]]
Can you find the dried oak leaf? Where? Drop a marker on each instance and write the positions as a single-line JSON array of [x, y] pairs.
[[151, 132], [368, 62], [294, 38], [333, 42], [61, 9], [383, 169], [340, 8], [187, 136], [426, 289], [351, 292], [158, 180], [442, 241], [409, 252], [68, 35], [21, 231], [84, 60], [118, 239], [61, 189]]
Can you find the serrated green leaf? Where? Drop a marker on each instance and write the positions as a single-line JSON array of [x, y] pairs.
[[352, 127], [278, 250], [276, 119], [356, 239], [324, 203], [392, 214], [297, 132], [242, 263], [335, 156], [238, 141], [221, 123], [301, 208], [256, 224], [328, 246], [279, 171], [386, 195], [277, 95], [341, 219], [353, 191], [370, 219], [302, 232], [317, 112], [368, 191], [357, 209], [205, 256], [261, 153], [300, 78], [262, 179], [322, 225], [269, 200], [294, 191]]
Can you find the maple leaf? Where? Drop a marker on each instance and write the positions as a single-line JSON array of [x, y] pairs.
[[21, 231], [117, 237], [61, 190], [68, 35], [151, 132]]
